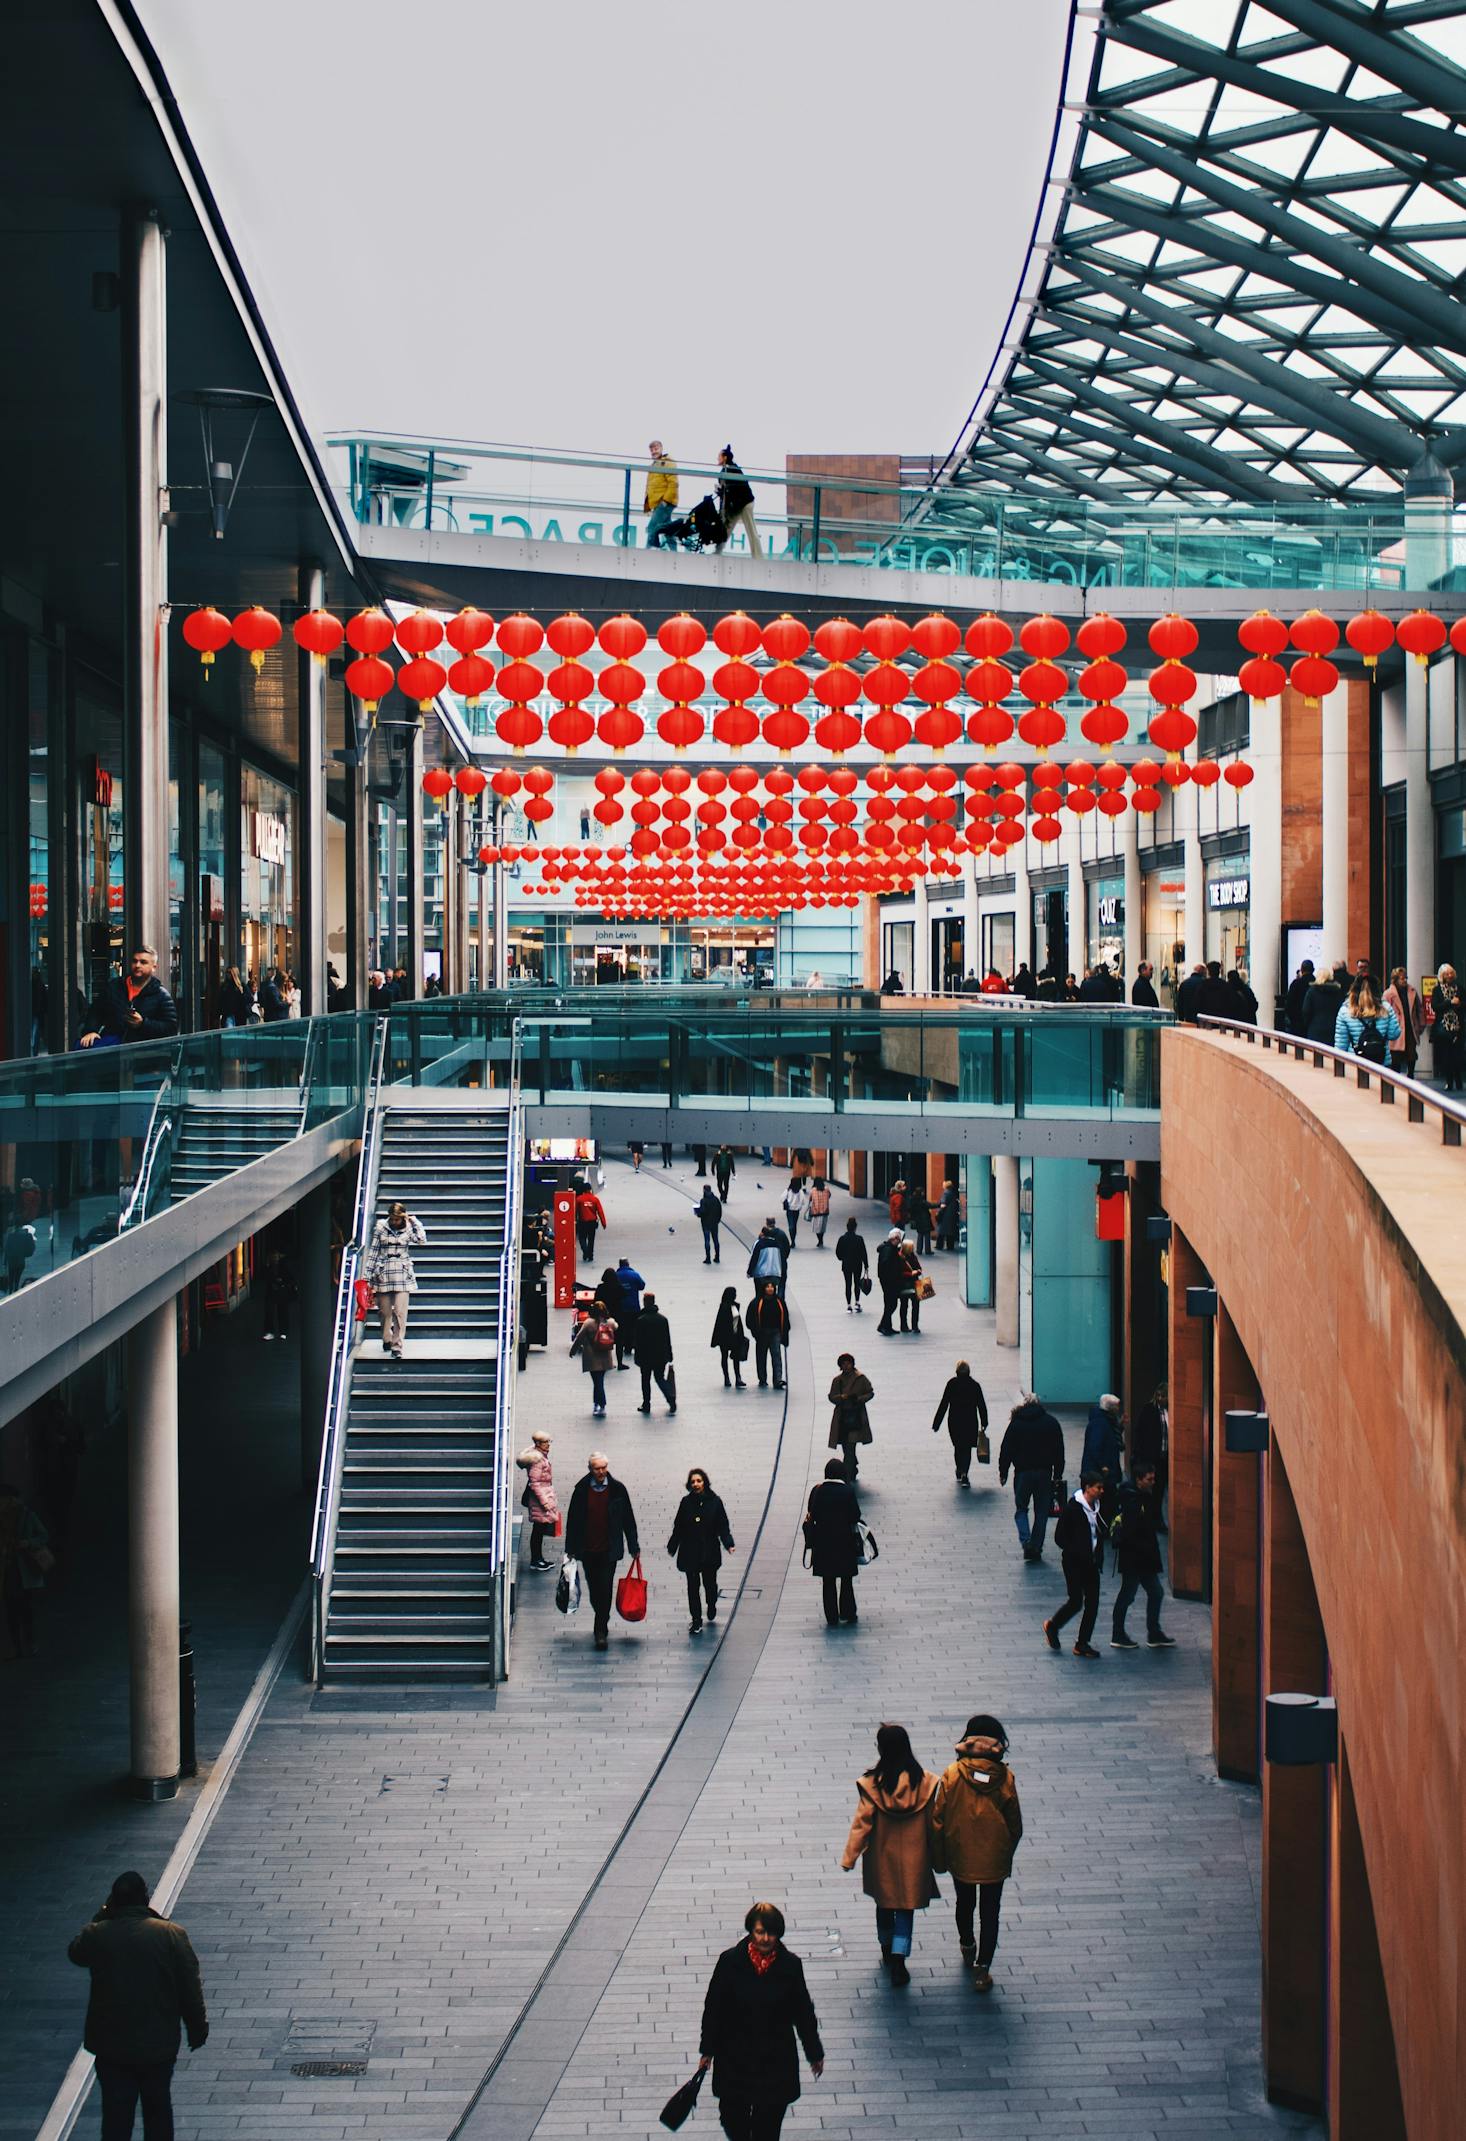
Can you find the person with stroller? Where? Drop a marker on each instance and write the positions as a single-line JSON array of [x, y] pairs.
[[735, 502]]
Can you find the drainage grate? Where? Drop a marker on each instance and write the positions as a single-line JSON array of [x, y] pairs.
[[326, 2047], [321, 2069]]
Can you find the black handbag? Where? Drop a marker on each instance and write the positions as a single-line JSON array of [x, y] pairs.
[[865, 1282], [678, 2109]]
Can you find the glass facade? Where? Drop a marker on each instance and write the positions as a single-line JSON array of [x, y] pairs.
[[1163, 928], [1071, 1310], [1105, 898], [213, 879], [1227, 888], [267, 874]]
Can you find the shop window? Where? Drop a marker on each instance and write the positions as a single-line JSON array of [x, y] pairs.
[[1225, 725]]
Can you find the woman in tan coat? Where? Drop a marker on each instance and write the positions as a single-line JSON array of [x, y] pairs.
[[976, 1824], [892, 1836], [850, 1394]]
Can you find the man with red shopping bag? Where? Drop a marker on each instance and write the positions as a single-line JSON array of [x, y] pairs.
[[600, 1527]]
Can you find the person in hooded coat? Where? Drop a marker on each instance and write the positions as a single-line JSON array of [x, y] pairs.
[[892, 1837], [965, 1410], [977, 1823]]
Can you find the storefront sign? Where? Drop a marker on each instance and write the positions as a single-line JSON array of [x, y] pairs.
[[611, 936], [269, 838], [1227, 892], [101, 785], [1111, 911]]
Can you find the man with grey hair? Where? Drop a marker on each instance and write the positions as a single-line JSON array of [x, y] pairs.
[[661, 495], [600, 1526], [132, 1007], [1104, 1448]]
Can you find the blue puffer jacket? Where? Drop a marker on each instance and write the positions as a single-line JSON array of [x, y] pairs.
[[1348, 1028]]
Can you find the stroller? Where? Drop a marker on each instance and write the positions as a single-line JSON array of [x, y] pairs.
[[702, 529]]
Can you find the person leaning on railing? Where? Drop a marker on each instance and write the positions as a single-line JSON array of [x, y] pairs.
[[132, 1007]]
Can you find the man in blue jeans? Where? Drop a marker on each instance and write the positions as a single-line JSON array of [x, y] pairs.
[[1138, 1557], [1033, 1450]]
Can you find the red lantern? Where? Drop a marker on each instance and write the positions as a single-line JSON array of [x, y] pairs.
[[1102, 680], [1043, 638], [608, 813], [520, 636], [369, 679], [990, 727], [1238, 774], [1420, 634], [936, 684], [887, 732], [1104, 726], [422, 679], [1313, 633], [505, 784], [1314, 677], [682, 637], [1172, 730], [1370, 634], [1042, 727], [518, 727], [318, 633], [1262, 677], [256, 630], [472, 629], [887, 638], [1042, 683], [438, 783], [736, 635], [419, 632], [1206, 773], [538, 781], [1109, 775], [1172, 684], [785, 639], [988, 638], [370, 631], [206, 631], [471, 781], [1146, 799], [1111, 803], [1008, 834], [1263, 633], [471, 676], [1175, 773], [935, 636], [1099, 636], [1080, 800], [1173, 637], [1458, 636], [1046, 829]]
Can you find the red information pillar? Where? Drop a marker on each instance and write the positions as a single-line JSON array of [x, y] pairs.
[[564, 1248]]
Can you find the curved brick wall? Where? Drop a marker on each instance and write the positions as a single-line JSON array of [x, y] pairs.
[[1335, 1232]]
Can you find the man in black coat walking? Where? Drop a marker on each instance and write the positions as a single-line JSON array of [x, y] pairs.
[[965, 1410], [710, 1218], [890, 1277], [1142, 989], [1188, 996], [834, 1544], [1077, 1534], [768, 1326], [146, 1993], [651, 1349], [600, 1526], [1138, 1558], [1033, 1449], [134, 1007]]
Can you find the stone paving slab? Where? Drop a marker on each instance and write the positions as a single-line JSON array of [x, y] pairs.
[[412, 1864]]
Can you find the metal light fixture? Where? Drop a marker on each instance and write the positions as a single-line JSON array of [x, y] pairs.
[[1246, 1433], [1158, 1229], [1301, 1731], [225, 412], [1201, 1301]]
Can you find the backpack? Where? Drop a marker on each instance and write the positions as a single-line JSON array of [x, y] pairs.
[[605, 1337], [1371, 1043]]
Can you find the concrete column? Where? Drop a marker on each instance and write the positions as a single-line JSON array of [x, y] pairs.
[[1195, 896], [145, 431], [1265, 864], [412, 959], [463, 884], [1022, 906], [971, 949], [1187, 1501], [152, 1551], [449, 971], [1364, 2075], [317, 1304], [1419, 829], [921, 941], [1236, 1571], [1006, 1258], [358, 866], [1134, 895], [1294, 1816], [1077, 940], [310, 822], [485, 931], [1337, 943], [500, 977]]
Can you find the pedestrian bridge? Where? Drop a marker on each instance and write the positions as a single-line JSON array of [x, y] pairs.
[[136, 1169]]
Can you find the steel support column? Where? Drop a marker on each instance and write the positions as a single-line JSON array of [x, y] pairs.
[[152, 1551], [310, 817], [412, 830], [145, 618]]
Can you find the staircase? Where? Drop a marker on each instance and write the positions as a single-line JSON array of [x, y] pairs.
[[214, 1138], [413, 1581]]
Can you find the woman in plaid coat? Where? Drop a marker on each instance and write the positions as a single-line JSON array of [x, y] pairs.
[[390, 1274]]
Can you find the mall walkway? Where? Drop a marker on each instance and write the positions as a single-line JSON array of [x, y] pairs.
[[390, 1876]]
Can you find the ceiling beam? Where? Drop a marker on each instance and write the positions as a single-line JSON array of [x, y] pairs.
[[1170, 446], [1429, 77]]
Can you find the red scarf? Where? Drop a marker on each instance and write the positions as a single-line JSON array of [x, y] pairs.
[[762, 1964]]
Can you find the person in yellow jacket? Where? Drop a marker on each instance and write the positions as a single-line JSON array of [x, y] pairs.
[[661, 494], [976, 1827]]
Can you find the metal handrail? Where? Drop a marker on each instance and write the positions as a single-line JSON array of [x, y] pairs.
[[159, 1127], [509, 1276], [303, 1088], [1418, 1097], [333, 1439]]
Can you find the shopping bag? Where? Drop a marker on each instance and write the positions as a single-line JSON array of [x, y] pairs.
[[678, 2109], [984, 1447], [567, 1589], [1061, 1497], [925, 1287], [631, 1593], [363, 1294]]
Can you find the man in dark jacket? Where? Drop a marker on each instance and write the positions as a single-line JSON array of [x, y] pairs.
[[1033, 1449], [710, 1218], [1321, 1003], [768, 1326], [651, 1349], [890, 1277], [1138, 1559], [965, 1410], [1078, 1534], [1298, 988], [1188, 996], [1215, 999], [725, 1167], [854, 1261], [1142, 989], [834, 1545], [132, 1007], [1104, 1447], [599, 1528], [146, 1991]]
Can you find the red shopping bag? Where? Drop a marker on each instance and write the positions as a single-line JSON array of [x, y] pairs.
[[631, 1593], [363, 1300]]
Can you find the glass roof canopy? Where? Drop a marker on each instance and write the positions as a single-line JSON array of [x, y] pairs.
[[1247, 275]]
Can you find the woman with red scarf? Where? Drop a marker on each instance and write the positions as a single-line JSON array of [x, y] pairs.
[[756, 2005]]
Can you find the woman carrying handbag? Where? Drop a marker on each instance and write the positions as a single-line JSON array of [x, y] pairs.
[[757, 2006]]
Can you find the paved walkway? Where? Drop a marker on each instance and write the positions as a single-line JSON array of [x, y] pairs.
[[392, 1877]]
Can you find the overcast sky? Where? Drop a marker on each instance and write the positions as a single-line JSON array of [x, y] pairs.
[[795, 224]]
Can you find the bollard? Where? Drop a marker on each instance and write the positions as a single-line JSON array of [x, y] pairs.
[[188, 1760]]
